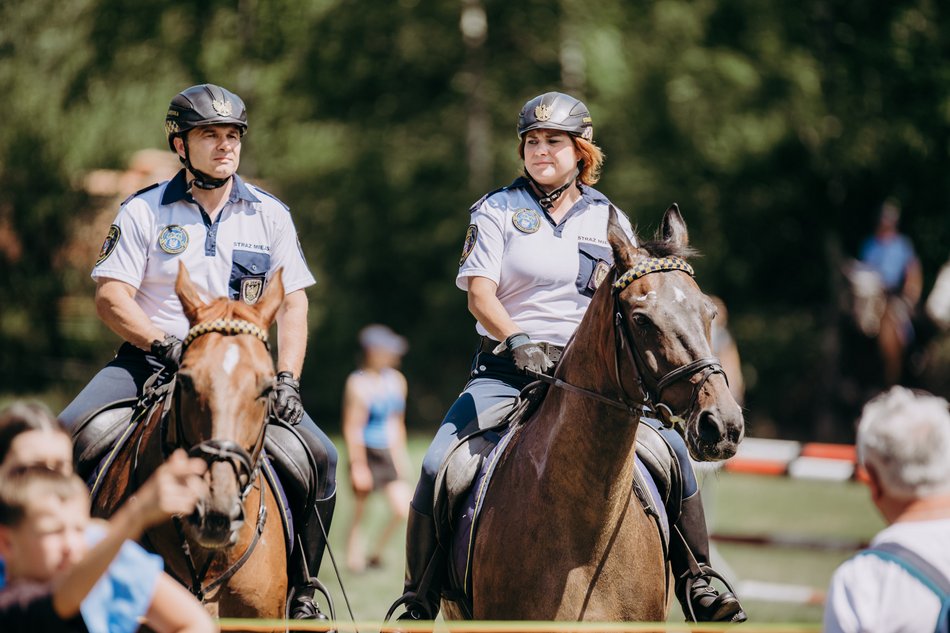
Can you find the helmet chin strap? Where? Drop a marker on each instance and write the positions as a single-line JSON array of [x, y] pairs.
[[201, 179], [548, 198]]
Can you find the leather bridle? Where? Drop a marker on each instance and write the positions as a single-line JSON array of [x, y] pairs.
[[651, 388]]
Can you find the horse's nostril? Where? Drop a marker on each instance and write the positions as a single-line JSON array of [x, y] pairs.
[[217, 522], [710, 427]]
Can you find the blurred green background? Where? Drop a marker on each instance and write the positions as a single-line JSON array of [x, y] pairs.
[[778, 127]]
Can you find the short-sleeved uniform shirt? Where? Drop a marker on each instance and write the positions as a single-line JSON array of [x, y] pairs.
[[232, 256], [870, 594], [890, 258], [546, 272]]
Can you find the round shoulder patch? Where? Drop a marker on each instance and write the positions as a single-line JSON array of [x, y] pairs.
[[526, 220], [173, 239], [471, 237], [112, 238]]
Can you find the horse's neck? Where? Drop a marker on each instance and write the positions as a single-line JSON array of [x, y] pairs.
[[585, 445]]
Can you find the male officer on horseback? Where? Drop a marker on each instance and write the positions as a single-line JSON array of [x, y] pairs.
[[231, 236]]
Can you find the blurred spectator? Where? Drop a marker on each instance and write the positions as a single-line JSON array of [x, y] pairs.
[[100, 580], [903, 440], [725, 349], [374, 405]]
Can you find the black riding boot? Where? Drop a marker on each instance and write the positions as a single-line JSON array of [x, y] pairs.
[[425, 569], [307, 558], [689, 558]]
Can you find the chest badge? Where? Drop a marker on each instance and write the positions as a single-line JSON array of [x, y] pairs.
[[251, 288], [173, 239], [600, 272], [526, 220]]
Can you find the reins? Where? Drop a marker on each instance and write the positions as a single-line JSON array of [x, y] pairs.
[[651, 397]]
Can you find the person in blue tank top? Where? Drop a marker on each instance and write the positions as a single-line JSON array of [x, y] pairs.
[[374, 405]]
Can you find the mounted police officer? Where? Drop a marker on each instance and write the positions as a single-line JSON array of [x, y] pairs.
[[534, 253], [232, 236]]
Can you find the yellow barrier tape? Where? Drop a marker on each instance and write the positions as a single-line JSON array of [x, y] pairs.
[[254, 626]]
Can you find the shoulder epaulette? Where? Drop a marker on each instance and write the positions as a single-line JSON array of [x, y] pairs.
[[268, 194], [488, 195], [140, 192]]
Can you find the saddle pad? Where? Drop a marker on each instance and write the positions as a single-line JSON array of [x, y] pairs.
[[286, 516]]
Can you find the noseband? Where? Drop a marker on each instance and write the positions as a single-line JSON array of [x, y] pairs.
[[217, 450], [651, 389]]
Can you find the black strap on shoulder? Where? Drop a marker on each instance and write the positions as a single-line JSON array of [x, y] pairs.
[[140, 192]]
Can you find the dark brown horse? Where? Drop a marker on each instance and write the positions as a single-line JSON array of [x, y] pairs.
[[562, 536], [231, 552]]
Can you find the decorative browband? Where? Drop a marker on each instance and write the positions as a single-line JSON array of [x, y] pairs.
[[229, 327], [649, 265]]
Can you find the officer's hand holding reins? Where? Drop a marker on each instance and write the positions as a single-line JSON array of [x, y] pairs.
[[285, 398]]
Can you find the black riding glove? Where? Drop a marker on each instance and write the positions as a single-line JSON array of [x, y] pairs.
[[528, 355], [285, 398], [168, 351]]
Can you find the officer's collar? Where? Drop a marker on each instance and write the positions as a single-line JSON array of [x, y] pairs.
[[588, 193], [177, 190]]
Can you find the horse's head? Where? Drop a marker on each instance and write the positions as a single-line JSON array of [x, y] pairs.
[[666, 320], [222, 387]]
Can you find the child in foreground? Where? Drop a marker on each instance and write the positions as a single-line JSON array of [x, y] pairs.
[[55, 578]]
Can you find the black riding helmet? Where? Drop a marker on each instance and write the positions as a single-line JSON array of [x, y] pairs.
[[556, 111], [205, 104]]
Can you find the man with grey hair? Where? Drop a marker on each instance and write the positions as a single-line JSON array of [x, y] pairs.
[[903, 441]]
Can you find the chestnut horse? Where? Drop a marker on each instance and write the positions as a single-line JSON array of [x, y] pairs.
[[231, 552], [562, 535]]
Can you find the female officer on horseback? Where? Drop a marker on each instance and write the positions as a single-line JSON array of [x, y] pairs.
[[534, 253], [231, 236]]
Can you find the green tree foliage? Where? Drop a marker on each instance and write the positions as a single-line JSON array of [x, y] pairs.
[[778, 128]]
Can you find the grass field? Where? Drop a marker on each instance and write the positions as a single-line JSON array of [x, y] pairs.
[[736, 504]]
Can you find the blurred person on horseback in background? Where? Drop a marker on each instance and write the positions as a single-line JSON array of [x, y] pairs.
[[533, 256], [903, 440], [232, 237], [374, 427], [891, 256]]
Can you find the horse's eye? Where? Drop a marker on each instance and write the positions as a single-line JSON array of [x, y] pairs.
[[640, 320]]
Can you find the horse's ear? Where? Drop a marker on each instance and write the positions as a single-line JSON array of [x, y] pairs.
[[673, 228], [272, 298], [625, 253], [188, 294]]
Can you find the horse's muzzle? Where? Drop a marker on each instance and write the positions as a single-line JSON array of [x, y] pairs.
[[715, 436], [214, 529]]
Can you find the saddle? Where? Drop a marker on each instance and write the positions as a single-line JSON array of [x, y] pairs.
[[463, 479]]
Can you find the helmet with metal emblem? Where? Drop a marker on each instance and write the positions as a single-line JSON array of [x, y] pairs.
[[206, 104], [556, 111]]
